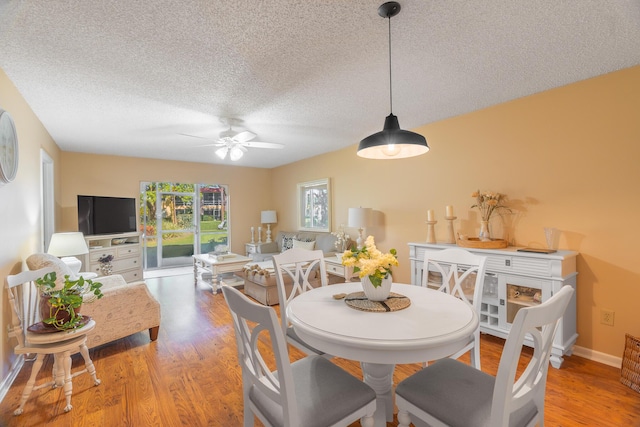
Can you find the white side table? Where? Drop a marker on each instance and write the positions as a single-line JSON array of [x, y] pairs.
[[334, 266], [252, 248]]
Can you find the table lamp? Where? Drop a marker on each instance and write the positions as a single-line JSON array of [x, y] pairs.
[[66, 245], [268, 217], [360, 218]]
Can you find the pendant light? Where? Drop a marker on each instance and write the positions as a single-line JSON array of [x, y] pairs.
[[392, 142]]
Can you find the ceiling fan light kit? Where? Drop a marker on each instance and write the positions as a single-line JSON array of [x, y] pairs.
[[392, 142], [235, 153], [235, 144]]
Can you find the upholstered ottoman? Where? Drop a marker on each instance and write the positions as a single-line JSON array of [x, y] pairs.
[[260, 282]]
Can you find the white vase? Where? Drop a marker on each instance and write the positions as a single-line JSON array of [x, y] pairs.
[[380, 293], [484, 231]]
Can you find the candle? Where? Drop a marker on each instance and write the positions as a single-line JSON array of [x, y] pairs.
[[449, 211], [430, 215]]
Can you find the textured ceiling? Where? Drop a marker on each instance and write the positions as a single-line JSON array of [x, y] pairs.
[[129, 77]]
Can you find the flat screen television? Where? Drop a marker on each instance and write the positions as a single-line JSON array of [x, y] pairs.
[[106, 215]]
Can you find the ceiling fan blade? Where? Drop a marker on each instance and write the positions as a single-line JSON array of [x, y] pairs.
[[213, 144], [242, 137], [257, 144], [195, 136]]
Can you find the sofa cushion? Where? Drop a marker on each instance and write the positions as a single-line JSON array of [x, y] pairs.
[[310, 245], [326, 242], [40, 260]]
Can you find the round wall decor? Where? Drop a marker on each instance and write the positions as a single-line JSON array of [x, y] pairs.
[[8, 148]]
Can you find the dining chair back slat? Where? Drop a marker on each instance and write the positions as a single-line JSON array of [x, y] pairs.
[[452, 393], [462, 275], [309, 392], [304, 269]]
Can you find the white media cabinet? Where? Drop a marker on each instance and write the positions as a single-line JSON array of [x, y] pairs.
[[126, 250], [513, 280]]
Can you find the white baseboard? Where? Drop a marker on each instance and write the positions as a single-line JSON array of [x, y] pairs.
[[13, 373], [597, 356]]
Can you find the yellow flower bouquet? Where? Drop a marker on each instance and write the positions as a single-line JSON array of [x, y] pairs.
[[369, 261]]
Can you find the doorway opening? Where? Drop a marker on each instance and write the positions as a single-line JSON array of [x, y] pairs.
[[180, 220]]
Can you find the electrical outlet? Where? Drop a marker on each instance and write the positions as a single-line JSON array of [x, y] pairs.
[[606, 317]]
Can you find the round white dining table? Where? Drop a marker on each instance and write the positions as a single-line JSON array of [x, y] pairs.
[[435, 325]]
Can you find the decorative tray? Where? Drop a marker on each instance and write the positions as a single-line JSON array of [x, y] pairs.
[[43, 328], [476, 243]]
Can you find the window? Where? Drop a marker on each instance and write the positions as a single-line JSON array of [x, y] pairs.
[[314, 205]]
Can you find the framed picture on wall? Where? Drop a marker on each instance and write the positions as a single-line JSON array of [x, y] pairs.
[[314, 205]]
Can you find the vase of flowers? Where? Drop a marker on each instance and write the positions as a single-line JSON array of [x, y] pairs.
[[484, 234], [488, 203], [106, 268], [342, 240], [373, 268]]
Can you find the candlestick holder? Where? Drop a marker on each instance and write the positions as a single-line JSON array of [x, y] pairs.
[[259, 235], [252, 238], [451, 236], [431, 231]]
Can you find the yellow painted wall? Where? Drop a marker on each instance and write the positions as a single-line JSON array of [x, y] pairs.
[[20, 210], [567, 158], [90, 174]]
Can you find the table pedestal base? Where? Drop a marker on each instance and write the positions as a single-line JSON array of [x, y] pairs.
[[380, 378]]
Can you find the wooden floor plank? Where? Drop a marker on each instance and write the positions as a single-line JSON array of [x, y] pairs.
[[190, 376]]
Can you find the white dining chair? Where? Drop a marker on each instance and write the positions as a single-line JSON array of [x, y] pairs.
[[310, 392], [452, 393], [298, 271], [24, 303], [462, 275]]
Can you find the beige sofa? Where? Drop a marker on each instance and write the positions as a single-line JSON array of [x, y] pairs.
[[125, 308]]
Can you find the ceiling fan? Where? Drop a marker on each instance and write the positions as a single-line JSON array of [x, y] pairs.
[[235, 144]]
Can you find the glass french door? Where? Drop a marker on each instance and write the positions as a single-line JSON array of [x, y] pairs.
[[180, 220]]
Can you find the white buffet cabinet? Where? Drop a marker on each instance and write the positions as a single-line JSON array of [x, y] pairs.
[[126, 250], [513, 280]]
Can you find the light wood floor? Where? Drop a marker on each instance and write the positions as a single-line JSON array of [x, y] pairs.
[[190, 376]]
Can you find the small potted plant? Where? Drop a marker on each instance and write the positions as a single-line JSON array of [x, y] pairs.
[[60, 308]]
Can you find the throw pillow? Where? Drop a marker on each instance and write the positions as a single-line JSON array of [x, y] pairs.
[[304, 245], [287, 241], [41, 260]]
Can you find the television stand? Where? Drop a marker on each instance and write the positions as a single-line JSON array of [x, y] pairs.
[[126, 250]]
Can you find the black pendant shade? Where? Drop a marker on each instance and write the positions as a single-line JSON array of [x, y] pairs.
[[392, 142]]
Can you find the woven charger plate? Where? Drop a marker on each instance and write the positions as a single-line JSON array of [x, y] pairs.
[[395, 302]]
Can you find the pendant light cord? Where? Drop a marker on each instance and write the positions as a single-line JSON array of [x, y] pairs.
[[390, 84]]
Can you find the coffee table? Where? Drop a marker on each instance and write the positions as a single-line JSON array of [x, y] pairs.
[[217, 265]]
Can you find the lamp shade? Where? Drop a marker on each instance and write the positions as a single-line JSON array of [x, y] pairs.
[[68, 244], [359, 217], [268, 217], [392, 142]]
